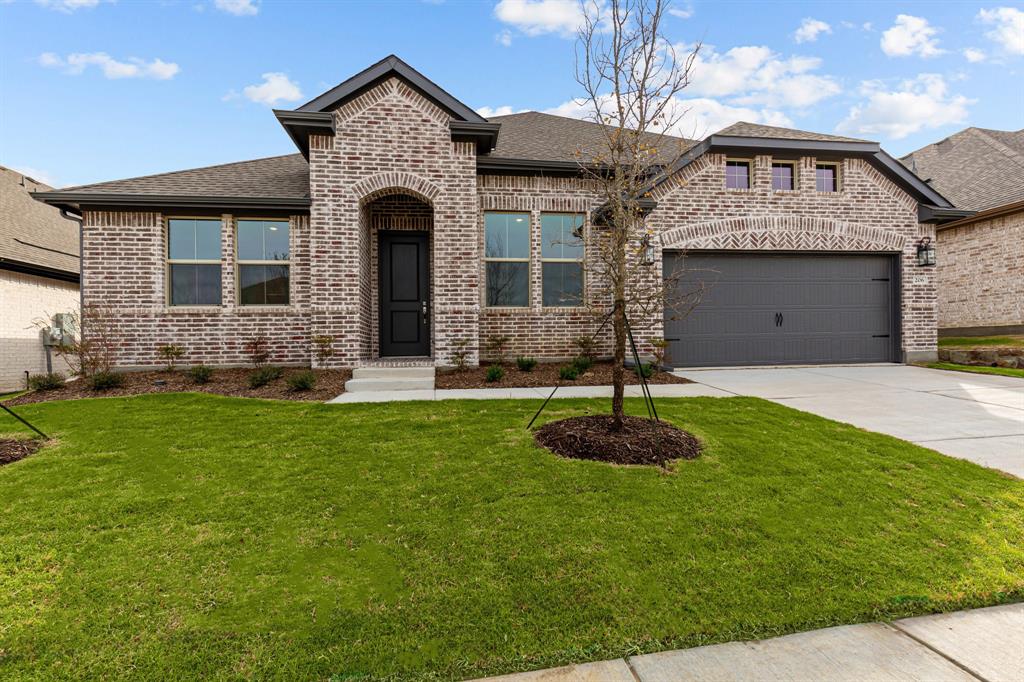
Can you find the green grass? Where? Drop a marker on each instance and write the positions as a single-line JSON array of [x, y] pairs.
[[189, 536], [978, 369], [969, 341]]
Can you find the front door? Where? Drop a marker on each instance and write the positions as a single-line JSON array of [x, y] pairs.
[[404, 293]]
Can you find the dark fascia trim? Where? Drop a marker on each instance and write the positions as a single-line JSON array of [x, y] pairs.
[[382, 69], [39, 270], [731, 142], [926, 213], [301, 124], [986, 214], [157, 201], [496, 165], [485, 135], [908, 180]]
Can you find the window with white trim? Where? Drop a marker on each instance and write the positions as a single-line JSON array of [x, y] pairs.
[[507, 259], [193, 261], [826, 177], [264, 256], [737, 174], [561, 253]]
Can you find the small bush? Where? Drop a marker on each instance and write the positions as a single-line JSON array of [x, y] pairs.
[[324, 345], [256, 348], [460, 355], [494, 373], [660, 353], [587, 346], [647, 370], [568, 372], [525, 364], [170, 353], [102, 381], [46, 382], [498, 346], [200, 374], [582, 363], [301, 381], [264, 375]]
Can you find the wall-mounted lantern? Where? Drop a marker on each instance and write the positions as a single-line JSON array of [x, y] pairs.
[[925, 252], [647, 249]]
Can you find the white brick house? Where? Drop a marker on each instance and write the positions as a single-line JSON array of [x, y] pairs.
[[38, 276], [408, 223]]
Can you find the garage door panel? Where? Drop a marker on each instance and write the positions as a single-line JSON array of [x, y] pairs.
[[832, 308]]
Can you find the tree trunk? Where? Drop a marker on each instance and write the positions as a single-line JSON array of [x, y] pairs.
[[618, 369]]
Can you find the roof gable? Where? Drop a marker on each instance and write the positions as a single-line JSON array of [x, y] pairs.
[[386, 68], [34, 235]]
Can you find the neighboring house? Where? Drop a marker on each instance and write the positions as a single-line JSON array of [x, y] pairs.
[[980, 257], [38, 275], [408, 224]]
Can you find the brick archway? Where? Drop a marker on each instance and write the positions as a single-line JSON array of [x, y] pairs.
[[395, 182], [782, 233]]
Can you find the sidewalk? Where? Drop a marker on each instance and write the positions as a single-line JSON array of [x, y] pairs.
[[981, 644], [657, 390]]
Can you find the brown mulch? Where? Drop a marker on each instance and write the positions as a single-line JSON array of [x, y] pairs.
[[641, 441], [229, 382], [13, 449], [544, 374]]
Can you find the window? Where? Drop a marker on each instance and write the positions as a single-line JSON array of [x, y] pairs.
[[193, 261], [561, 253], [783, 175], [263, 269], [737, 175], [507, 259], [826, 177]]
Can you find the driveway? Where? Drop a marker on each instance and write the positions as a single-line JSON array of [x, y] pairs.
[[972, 416]]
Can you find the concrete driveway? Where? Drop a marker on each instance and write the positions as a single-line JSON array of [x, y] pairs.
[[972, 416]]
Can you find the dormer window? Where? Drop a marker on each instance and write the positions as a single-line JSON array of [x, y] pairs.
[[737, 174], [826, 177], [783, 176]]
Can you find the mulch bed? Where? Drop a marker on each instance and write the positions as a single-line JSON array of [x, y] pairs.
[[229, 382], [13, 449], [544, 374], [641, 441]]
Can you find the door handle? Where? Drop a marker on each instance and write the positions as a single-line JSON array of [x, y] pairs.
[[781, 319], [423, 310]]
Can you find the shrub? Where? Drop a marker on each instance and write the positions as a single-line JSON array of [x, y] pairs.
[[170, 353], [525, 364], [264, 375], [587, 346], [582, 363], [256, 349], [494, 373], [646, 370], [102, 381], [498, 346], [46, 382], [324, 345], [200, 374], [460, 355], [568, 372], [660, 352], [301, 381]]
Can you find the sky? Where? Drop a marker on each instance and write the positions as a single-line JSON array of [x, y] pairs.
[[94, 90]]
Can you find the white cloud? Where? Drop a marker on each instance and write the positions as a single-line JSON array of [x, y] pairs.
[[275, 88], [1008, 31], [973, 55], [504, 38], [240, 8], [68, 6], [909, 36], [917, 104], [487, 112], [77, 63], [756, 75], [681, 12], [537, 17], [809, 30]]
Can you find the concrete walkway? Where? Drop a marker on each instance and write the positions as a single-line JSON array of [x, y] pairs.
[[657, 390], [982, 644], [978, 417]]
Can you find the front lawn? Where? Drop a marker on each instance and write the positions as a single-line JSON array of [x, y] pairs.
[[973, 341], [978, 369], [187, 536]]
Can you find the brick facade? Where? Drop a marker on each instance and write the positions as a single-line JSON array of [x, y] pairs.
[[393, 165], [981, 273]]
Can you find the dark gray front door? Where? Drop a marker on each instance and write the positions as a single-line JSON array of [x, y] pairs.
[[777, 309], [404, 293]]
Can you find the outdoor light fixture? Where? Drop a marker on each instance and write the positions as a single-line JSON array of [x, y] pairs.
[[925, 252], [648, 249]]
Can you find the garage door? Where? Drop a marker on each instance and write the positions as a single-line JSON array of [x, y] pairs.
[[782, 309]]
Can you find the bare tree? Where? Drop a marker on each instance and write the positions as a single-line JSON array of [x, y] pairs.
[[631, 76]]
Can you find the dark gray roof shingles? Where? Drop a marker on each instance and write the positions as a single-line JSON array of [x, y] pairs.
[[975, 168], [31, 232], [745, 129]]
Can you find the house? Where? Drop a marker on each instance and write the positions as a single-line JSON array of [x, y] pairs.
[[38, 275], [981, 256], [407, 225]]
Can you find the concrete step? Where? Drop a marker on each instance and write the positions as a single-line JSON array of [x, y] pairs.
[[393, 373], [389, 384]]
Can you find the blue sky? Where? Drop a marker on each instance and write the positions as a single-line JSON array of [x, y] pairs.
[[94, 90]]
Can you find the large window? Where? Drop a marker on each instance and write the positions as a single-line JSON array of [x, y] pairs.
[[737, 174], [783, 175], [507, 259], [263, 268], [826, 177], [561, 253], [193, 261]]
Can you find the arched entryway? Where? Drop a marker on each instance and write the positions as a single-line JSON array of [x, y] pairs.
[[397, 284]]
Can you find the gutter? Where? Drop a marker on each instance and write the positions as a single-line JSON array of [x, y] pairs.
[[975, 217], [39, 270], [73, 201]]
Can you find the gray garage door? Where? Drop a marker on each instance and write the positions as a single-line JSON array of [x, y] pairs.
[[782, 309]]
